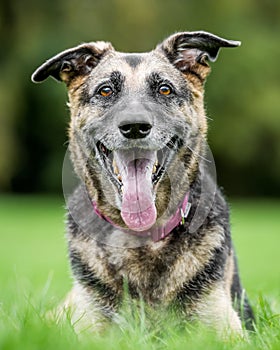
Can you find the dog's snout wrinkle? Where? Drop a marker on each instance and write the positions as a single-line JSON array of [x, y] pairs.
[[135, 130]]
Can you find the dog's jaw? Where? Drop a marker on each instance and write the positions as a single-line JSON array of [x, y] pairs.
[[135, 174]]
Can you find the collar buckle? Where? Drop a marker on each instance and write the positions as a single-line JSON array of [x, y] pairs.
[[185, 213]]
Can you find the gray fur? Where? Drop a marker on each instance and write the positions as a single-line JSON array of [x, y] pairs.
[[194, 269]]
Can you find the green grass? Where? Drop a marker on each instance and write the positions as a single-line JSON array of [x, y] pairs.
[[34, 277]]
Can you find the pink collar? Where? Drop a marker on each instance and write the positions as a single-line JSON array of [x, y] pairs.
[[156, 233]]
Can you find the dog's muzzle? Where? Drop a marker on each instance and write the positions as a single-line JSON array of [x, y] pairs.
[[136, 172]]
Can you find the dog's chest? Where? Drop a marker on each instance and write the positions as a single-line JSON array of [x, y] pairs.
[[147, 272]]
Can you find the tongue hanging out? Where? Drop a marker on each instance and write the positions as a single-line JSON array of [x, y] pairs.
[[138, 206]]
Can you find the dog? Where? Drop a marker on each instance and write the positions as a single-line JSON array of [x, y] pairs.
[[147, 212]]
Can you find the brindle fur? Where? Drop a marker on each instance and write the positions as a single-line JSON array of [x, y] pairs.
[[197, 271]]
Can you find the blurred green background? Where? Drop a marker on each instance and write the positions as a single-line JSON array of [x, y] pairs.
[[242, 100], [243, 91]]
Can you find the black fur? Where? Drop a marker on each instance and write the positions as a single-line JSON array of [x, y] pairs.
[[133, 60], [192, 265]]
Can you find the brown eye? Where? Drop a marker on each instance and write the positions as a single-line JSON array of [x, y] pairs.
[[105, 91], [165, 90]]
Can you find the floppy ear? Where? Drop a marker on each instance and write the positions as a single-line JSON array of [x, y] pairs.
[[71, 63], [190, 51]]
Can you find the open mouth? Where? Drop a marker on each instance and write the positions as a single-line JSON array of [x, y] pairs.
[[136, 172]]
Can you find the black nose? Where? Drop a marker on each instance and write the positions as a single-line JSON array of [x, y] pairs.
[[136, 130]]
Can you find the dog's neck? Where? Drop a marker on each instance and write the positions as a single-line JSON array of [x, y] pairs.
[[156, 233]]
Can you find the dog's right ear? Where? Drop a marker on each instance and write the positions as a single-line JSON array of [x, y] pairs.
[[78, 61]]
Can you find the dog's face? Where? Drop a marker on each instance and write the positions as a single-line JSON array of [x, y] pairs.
[[137, 122]]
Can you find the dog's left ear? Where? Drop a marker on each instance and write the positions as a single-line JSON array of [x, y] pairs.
[[190, 51]]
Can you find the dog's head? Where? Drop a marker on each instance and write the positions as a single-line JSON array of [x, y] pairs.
[[137, 121]]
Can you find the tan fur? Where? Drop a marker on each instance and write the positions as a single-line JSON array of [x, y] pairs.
[[229, 271], [79, 306], [215, 310], [193, 270], [195, 258]]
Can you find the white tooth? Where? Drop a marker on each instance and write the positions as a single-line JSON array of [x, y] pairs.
[[122, 189], [154, 169], [115, 167]]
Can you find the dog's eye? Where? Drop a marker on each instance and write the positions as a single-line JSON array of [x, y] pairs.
[[105, 91], [165, 90]]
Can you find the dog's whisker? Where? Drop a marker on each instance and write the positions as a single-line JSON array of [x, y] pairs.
[[199, 155]]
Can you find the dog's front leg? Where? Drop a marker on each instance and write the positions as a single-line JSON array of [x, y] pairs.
[[84, 310], [216, 311]]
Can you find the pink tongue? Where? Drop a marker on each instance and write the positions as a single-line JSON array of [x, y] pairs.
[[138, 208]]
